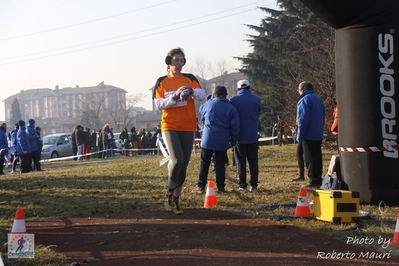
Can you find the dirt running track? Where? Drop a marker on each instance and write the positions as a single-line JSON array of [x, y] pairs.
[[198, 237]]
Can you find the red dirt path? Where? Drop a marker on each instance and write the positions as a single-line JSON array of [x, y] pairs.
[[198, 237]]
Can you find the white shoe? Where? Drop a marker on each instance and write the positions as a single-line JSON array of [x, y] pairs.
[[13, 172], [240, 190]]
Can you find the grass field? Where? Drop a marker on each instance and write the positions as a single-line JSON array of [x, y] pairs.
[[131, 184]]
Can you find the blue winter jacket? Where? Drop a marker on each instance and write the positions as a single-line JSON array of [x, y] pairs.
[[248, 107], [310, 116], [221, 124], [32, 135], [3, 141], [13, 140], [13, 135], [22, 141]]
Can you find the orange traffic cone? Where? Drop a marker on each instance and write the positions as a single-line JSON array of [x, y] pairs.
[[395, 241], [210, 197], [302, 206], [19, 222]]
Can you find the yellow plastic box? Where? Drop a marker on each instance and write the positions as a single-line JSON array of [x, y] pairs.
[[336, 206]]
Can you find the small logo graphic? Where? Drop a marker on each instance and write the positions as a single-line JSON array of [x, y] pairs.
[[21, 246]]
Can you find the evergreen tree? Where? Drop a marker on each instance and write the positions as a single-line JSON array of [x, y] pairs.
[[15, 114], [291, 45]]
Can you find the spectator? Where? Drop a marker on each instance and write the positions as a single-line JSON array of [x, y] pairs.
[[40, 145], [86, 143], [280, 131], [310, 118], [133, 140], [3, 146], [293, 133], [248, 107], [146, 141], [125, 140], [80, 137], [274, 134], [155, 137], [124, 135], [107, 138], [113, 145], [13, 144], [334, 131], [140, 134], [334, 126], [221, 128], [23, 147], [197, 136], [100, 144], [93, 140], [34, 155], [74, 147], [174, 95]]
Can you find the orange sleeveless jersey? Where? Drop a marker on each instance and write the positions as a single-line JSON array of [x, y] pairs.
[[181, 118]]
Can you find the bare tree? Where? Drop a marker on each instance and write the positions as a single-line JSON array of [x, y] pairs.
[[201, 68], [91, 108], [123, 117]]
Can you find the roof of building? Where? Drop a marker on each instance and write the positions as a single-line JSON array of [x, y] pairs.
[[38, 93], [228, 77]]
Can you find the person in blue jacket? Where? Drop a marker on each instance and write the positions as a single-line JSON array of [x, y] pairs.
[[248, 106], [3, 146], [13, 143], [310, 119], [221, 130], [33, 142], [23, 147]]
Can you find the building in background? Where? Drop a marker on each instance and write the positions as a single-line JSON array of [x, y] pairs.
[[60, 110], [227, 80]]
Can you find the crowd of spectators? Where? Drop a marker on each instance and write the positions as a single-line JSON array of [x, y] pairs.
[[105, 143]]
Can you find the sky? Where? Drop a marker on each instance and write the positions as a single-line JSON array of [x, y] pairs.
[[45, 43]]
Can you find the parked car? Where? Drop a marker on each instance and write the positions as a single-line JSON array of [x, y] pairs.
[[118, 142], [56, 145]]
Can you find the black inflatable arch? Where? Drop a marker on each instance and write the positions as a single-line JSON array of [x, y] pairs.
[[367, 57]]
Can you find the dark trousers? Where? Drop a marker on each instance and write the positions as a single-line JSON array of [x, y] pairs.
[[299, 157], [313, 160], [74, 152], [220, 166], [242, 154], [226, 160], [2, 159], [100, 149], [30, 161], [26, 163], [36, 160], [280, 138]]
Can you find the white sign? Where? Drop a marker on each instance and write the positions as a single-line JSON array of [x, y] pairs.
[[21, 246]]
